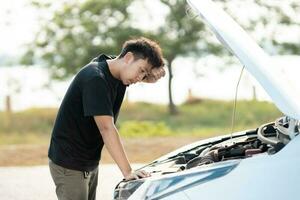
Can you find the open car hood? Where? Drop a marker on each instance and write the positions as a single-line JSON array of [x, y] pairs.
[[252, 56]]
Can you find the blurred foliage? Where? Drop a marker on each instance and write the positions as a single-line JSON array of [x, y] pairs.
[[180, 36], [271, 24], [210, 117], [206, 114], [24, 138], [77, 31], [144, 128], [37, 121]]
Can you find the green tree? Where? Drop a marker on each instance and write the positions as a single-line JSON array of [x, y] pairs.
[[285, 17], [180, 36], [269, 23], [78, 31], [274, 20]]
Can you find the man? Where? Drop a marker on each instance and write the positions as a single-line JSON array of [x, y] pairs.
[[88, 113]]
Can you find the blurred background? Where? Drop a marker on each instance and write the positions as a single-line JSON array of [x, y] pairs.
[[44, 43]]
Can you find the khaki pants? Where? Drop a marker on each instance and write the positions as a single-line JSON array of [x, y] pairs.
[[72, 184]]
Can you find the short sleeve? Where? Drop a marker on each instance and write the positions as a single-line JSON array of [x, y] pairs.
[[96, 98]]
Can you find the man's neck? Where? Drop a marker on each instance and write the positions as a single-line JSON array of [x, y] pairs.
[[114, 67]]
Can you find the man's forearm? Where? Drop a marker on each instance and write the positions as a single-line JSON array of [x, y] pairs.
[[115, 148]]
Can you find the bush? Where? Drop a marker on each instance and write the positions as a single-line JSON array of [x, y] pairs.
[[144, 128]]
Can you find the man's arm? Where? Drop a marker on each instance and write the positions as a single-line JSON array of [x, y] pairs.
[[115, 148]]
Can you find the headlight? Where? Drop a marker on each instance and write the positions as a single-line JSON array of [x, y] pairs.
[[125, 189]]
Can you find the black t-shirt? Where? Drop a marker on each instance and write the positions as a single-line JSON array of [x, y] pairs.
[[76, 142]]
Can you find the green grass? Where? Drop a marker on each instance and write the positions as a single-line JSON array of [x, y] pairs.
[[204, 119], [26, 138]]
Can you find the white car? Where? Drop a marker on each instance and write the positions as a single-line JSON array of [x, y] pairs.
[[262, 163]]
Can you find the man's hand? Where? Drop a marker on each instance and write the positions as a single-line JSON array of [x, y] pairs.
[[137, 175], [154, 75]]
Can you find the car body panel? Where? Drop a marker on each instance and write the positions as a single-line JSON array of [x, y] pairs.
[[177, 182]]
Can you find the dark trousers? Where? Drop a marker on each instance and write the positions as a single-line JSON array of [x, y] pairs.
[[72, 184]]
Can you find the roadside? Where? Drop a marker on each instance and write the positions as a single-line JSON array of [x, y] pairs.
[[139, 150], [35, 183], [26, 174]]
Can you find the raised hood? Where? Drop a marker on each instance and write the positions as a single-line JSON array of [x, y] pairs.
[[252, 56]]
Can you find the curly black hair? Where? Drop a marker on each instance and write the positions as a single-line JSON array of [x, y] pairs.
[[144, 48]]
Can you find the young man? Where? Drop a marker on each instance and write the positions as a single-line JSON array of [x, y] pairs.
[[87, 116]]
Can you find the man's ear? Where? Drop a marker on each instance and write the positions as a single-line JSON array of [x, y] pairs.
[[129, 57]]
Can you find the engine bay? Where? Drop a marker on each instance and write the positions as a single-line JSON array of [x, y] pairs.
[[268, 139]]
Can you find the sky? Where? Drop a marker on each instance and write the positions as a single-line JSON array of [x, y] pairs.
[[29, 87], [18, 23]]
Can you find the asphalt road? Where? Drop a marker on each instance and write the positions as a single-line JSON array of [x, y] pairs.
[[35, 183]]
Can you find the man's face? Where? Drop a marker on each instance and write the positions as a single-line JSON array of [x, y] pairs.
[[135, 70]]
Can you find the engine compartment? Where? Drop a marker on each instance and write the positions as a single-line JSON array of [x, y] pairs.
[[266, 139], [235, 148]]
